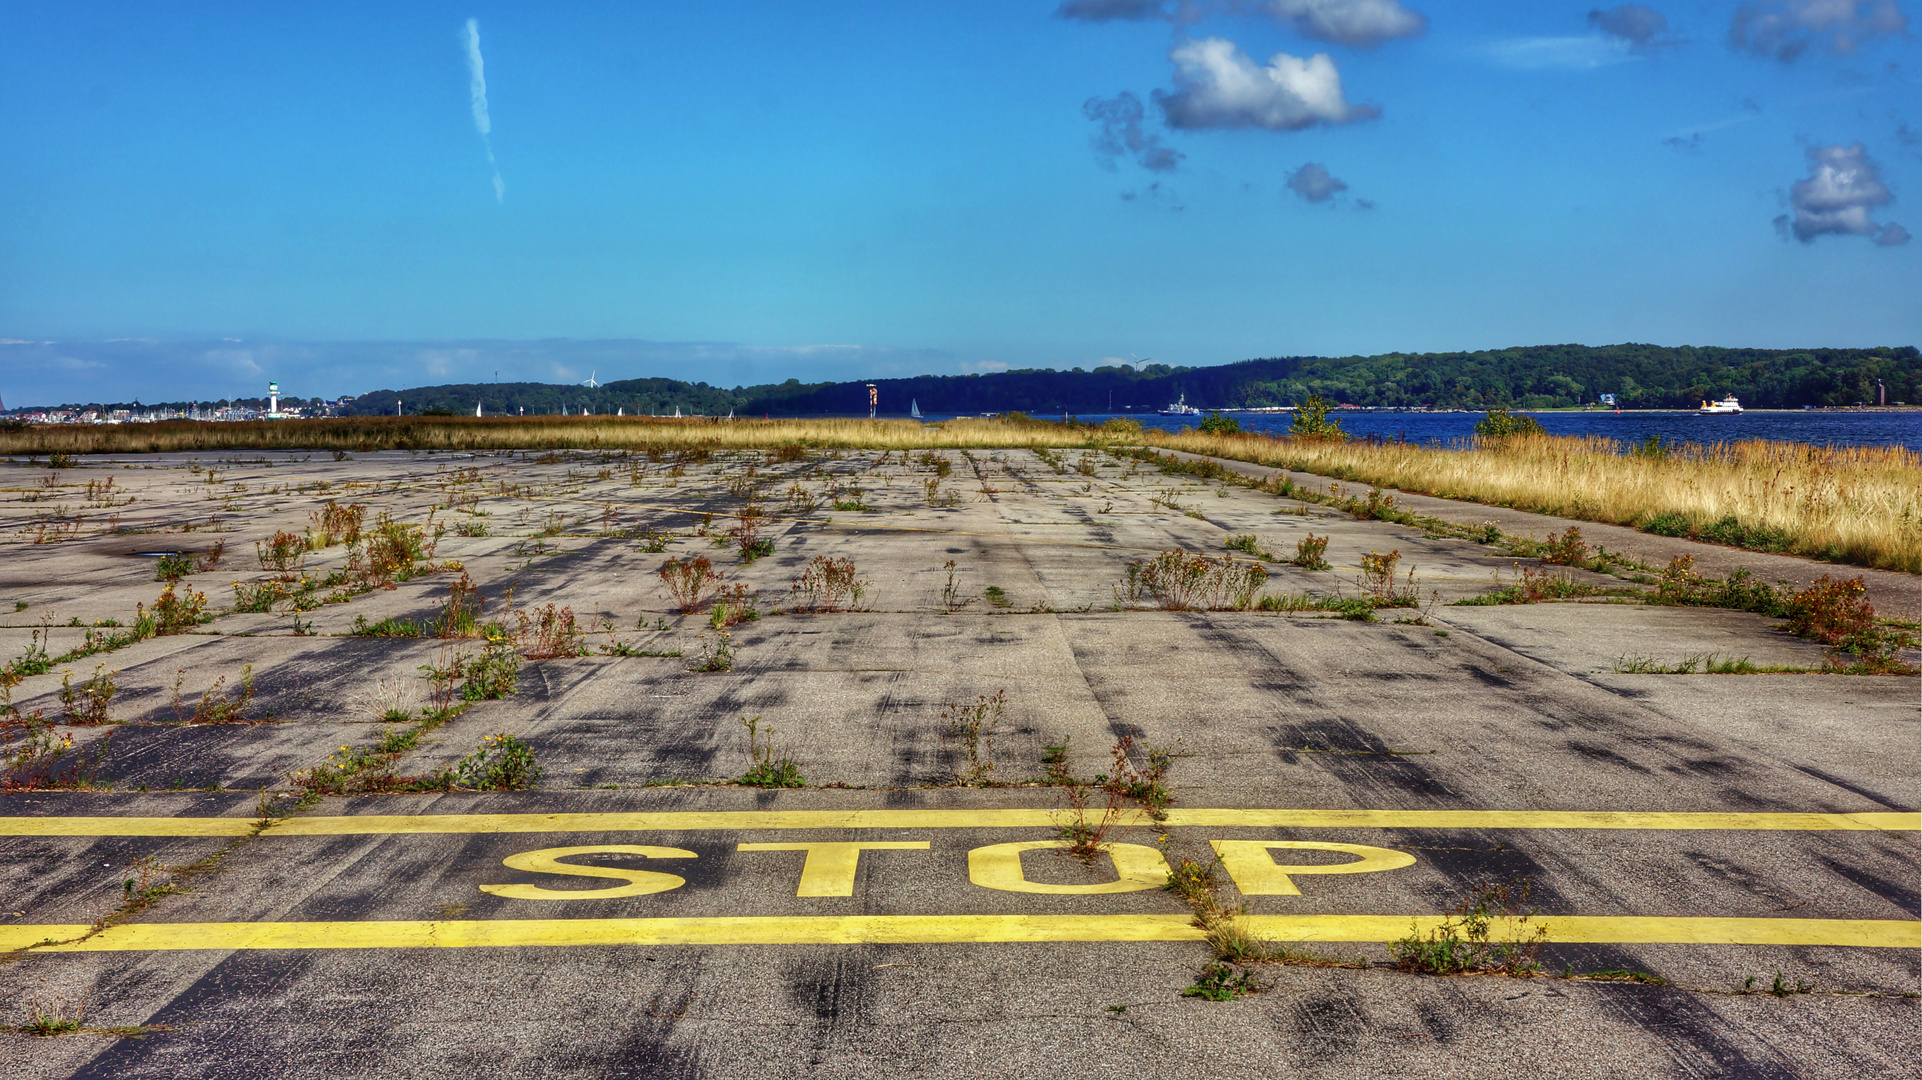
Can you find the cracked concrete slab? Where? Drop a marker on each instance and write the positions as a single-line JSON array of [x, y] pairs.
[[1811, 781]]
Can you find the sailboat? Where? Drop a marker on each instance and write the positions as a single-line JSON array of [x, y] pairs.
[[622, 411], [477, 408], [914, 409], [677, 412], [730, 414]]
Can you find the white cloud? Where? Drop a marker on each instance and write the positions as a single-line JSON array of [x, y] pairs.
[[1838, 197], [1112, 10], [1361, 23], [476, 77], [1315, 183], [1121, 134], [1579, 53], [1787, 29], [1218, 86], [1641, 26], [477, 93]]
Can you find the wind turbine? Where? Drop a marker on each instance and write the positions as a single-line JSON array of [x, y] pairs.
[[590, 383]]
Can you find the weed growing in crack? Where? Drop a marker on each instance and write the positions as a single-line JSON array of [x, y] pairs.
[[1466, 942], [747, 534], [1223, 982], [1565, 549], [549, 633], [1534, 584], [284, 554], [1838, 614], [1248, 545], [461, 617], [1197, 886], [1706, 663], [171, 568], [1054, 762], [175, 614], [388, 700], [90, 702], [732, 607], [1179, 581], [974, 727], [55, 1016], [492, 675], [214, 706], [1378, 581], [952, 597], [33, 764], [1310, 552], [768, 766], [502, 762], [1096, 808], [689, 580], [830, 583], [717, 654]]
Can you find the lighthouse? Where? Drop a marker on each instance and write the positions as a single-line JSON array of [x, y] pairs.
[[273, 401]]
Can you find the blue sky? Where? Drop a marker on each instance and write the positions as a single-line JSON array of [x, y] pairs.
[[748, 192]]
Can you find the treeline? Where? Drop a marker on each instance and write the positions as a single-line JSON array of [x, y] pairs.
[[1538, 377]]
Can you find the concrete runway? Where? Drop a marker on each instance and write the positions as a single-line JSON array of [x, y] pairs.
[[637, 914]]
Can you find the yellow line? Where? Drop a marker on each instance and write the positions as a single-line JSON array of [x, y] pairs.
[[747, 820], [124, 826], [922, 929]]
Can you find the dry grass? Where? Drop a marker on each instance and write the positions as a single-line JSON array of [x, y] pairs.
[[1860, 505], [365, 434]]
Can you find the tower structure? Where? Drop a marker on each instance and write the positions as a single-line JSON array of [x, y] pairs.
[[273, 401], [874, 399]]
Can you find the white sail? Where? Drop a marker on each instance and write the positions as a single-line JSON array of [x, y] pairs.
[[477, 408], [914, 409], [677, 412], [622, 411]]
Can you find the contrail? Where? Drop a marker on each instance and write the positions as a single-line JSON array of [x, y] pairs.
[[477, 87]]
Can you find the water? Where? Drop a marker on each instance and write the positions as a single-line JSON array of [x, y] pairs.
[[1837, 428]]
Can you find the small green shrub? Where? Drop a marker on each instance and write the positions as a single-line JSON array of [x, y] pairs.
[[1216, 423], [1669, 524], [1311, 421], [173, 613], [1502, 424], [1309, 553], [1565, 549], [90, 702], [1247, 545], [493, 674], [1466, 942], [502, 762], [387, 628], [1222, 982], [171, 568]]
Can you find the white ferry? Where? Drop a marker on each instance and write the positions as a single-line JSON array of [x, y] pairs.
[[1181, 408], [1726, 405]]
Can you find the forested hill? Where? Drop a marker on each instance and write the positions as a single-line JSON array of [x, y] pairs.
[[1547, 376]]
